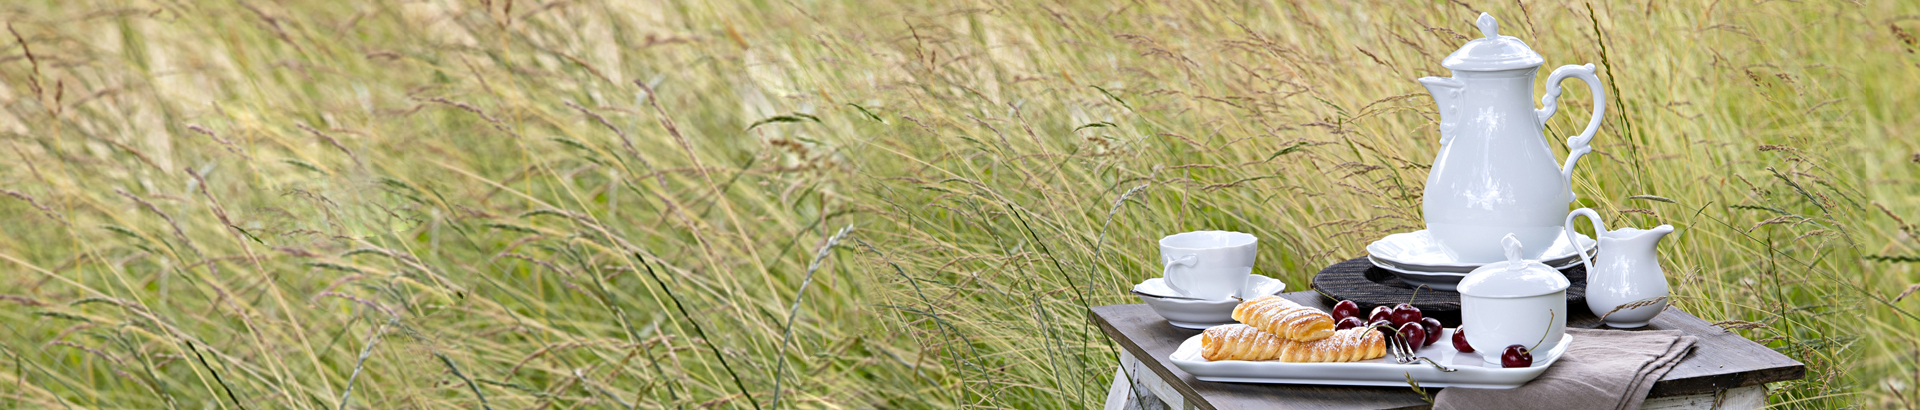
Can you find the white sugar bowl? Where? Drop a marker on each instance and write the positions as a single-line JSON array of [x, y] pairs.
[[1515, 302]]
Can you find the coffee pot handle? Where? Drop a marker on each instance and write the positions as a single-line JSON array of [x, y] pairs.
[[1599, 229], [1577, 145]]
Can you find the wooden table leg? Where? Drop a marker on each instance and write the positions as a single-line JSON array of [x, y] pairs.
[[1146, 391], [1131, 396]]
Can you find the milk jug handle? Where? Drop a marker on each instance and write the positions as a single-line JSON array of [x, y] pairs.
[[1576, 145], [1599, 229]]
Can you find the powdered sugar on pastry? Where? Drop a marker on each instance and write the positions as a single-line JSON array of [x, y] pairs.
[[1243, 342], [1238, 342], [1283, 318], [1349, 345]]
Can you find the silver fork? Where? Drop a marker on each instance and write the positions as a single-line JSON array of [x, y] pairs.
[[1403, 353], [1398, 348]]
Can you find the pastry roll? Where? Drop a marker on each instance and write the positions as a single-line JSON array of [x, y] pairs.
[[1242, 342], [1238, 342], [1283, 318]]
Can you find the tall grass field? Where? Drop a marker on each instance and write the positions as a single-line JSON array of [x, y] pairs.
[[573, 204]]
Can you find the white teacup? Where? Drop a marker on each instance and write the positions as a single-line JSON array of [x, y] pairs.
[[1207, 264]]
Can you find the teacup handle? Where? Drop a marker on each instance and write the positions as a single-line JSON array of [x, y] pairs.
[[1169, 262], [1599, 228]]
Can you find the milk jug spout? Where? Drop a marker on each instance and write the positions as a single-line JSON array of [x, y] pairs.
[[1639, 239]]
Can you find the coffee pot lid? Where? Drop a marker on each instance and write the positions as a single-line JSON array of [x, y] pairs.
[[1514, 278], [1494, 52]]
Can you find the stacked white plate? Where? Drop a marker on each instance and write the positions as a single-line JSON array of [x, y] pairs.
[[1417, 258]]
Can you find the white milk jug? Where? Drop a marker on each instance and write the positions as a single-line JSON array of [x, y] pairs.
[[1626, 272]]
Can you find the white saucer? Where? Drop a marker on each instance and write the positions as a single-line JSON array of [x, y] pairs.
[[1447, 281], [1202, 314], [1419, 252]]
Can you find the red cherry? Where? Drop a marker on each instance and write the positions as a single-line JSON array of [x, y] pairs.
[[1404, 314], [1460, 340], [1383, 326], [1345, 309], [1433, 329], [1349, 323], [1379, 313], [1516, 356], [1414, 334]]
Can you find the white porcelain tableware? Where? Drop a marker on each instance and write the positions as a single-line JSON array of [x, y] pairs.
[[1494, 175], [1471, 370], [1517, 302], [1202, 314], [1447, 281], [1627, 271], [1418, 251], [1207, 264]]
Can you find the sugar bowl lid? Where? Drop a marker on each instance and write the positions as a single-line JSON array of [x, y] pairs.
[[1514, 278], [1495, 52]]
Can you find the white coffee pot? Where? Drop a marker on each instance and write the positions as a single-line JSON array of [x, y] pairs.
[[1626, 272], [1494, 174]]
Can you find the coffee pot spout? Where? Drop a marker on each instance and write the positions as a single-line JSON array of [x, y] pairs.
[[1445, 90], [1446, 93]]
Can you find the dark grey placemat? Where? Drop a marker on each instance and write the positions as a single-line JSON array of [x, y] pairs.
[[1358, 280]]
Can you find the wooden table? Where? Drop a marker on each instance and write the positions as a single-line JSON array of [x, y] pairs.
[[1725, 370]]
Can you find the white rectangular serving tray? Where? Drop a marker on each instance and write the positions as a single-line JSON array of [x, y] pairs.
[[1472, 371]]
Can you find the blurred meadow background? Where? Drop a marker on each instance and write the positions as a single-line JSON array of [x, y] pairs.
[[846, 204]]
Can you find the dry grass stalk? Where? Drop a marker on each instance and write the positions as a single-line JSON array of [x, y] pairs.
[[1008, 167]]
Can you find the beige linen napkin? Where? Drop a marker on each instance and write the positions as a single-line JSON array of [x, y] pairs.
[[1602, 370]]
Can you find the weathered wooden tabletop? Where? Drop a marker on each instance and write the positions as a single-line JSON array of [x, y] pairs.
[[1721, 360]]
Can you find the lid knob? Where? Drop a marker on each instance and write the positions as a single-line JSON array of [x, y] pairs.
[[1496, 52], [1488, 25], [1512, 246]]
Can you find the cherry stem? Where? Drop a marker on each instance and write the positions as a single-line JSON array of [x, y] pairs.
[[1389, 327], [1543, 335], [1325, 294], [1415, 295]]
